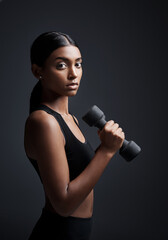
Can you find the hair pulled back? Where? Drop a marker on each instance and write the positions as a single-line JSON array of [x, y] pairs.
[[40, 50]]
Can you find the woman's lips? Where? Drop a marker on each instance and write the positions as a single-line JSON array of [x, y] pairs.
[[72, 85]]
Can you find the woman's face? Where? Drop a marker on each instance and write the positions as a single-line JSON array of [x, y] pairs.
[[62, 71]]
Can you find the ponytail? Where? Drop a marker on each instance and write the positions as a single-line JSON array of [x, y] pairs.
[[35, 97]]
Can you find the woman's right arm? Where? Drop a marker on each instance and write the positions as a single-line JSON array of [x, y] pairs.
[[48, 143]]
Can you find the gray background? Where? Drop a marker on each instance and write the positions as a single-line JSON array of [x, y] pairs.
[[124, 48]]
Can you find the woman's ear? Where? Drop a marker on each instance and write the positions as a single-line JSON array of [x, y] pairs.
[[36, 70]]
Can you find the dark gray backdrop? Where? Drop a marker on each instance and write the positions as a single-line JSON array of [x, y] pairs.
[[124, 48]]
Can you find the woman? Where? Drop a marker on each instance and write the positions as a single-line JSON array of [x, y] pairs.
[[67, 165]]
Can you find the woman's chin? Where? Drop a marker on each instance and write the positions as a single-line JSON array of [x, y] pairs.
[[71, 93]]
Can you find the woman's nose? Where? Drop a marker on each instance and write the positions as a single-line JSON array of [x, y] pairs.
[[72, 73]]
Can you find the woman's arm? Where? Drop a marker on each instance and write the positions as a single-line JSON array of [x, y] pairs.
[[48, 142]]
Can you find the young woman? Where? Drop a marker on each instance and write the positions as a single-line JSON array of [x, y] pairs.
[[66, 163]]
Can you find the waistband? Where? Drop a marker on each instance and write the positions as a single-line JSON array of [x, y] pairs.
[[56, 216]]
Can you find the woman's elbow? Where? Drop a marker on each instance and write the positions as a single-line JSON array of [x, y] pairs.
[[63, 210], [64, 207]]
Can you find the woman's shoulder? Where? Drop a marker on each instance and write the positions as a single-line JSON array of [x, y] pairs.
[[40, 116], [40, 128], [40, 120]]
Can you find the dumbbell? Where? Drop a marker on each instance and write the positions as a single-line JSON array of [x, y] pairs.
[[95, 117]]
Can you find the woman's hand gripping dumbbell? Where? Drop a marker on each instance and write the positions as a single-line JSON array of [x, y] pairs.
[[111, 135]]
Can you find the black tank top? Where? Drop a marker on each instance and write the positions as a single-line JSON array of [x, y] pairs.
[[78, 154]]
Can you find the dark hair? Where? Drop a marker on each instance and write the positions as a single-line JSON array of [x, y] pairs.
[[41, 49]]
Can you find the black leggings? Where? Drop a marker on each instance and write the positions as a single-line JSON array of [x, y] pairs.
[[53, 226]]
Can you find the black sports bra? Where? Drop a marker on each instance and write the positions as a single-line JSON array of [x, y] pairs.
[[78, 154]]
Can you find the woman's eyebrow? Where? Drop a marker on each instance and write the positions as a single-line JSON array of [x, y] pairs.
[[66, 59]]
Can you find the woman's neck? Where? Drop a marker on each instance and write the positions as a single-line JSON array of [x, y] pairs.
[[59, 104]]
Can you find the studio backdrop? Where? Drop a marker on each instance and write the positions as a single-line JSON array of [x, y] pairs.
[[124, 50]]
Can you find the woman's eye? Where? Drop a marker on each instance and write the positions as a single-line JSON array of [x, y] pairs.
[[79, 64], [61, 66]]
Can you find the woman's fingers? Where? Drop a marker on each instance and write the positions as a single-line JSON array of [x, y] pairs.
[[111, 126]]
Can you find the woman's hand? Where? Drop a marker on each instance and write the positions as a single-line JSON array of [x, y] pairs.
[[111, 137]]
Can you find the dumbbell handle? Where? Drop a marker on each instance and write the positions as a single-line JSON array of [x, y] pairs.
[[95, 117]]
